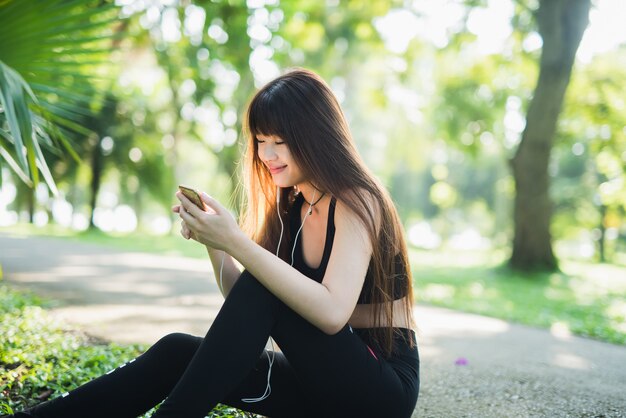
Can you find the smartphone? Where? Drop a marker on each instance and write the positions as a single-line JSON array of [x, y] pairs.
[[192, 195]]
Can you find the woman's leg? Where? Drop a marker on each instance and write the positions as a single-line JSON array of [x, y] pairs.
[[329, 375], [129, 390], [286, 398], [139, 385], [228, 353], [338, 373], [345, 377]]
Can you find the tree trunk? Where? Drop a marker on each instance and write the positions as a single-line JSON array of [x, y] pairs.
[[561, 26], [97, 167]]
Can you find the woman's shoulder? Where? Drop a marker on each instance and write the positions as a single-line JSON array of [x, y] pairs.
[[358, 195], [358, 204]]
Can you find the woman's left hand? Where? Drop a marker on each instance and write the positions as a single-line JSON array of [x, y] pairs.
[[215, 227]]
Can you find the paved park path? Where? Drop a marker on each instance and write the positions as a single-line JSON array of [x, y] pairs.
[[509, 371]]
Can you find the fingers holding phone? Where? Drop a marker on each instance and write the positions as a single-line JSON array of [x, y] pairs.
[[185, 231], [213, 225], [192, 195]]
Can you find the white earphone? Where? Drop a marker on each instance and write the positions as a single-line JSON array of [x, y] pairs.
[[268, 388]]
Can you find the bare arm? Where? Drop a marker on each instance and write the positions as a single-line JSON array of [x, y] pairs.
[[229, 274], [327, 305]]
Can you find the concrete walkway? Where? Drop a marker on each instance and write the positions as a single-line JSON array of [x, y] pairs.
[[505, 370]]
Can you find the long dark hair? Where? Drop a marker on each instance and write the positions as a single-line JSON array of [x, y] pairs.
[[300, 108]]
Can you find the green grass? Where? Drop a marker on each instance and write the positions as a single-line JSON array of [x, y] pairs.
[[588, 299], [41, 358], [39, 354]]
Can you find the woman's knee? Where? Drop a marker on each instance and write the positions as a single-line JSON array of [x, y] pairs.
[[247, 286], [175, 345], [249, 290]]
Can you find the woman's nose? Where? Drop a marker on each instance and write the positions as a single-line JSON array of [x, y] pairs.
[[268, 152]]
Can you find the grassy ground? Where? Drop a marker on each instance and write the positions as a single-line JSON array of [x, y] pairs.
[[41, 358], [586, 299]]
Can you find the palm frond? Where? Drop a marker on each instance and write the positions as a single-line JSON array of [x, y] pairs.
[[15, 110], [14, 165], [48, 82]]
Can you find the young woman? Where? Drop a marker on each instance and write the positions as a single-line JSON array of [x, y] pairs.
[[325, 275]]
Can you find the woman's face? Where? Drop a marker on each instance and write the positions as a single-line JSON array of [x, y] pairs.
[[275, 154]]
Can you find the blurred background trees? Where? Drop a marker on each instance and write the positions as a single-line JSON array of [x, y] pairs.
[[143, 95]]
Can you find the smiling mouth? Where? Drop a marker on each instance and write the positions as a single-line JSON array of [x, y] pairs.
[[275, 170]]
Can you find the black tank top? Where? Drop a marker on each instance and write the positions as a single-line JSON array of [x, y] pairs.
[[317, 274]]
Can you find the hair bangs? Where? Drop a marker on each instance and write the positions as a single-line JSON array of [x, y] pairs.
[[267, 115]]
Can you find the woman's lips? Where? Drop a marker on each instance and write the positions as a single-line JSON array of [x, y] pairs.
[[276, 170]]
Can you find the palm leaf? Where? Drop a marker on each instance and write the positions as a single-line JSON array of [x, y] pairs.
[[14, 165], [12, 99], [53, 47]]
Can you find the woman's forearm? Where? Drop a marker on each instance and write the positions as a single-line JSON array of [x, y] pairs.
[[230, 273]]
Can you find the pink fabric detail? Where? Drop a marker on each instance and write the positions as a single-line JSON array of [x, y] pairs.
[[372, 352]]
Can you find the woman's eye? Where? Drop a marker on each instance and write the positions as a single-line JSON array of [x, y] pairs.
[[262, 141]]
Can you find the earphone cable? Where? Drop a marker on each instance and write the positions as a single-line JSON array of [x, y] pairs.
[[268, 388]]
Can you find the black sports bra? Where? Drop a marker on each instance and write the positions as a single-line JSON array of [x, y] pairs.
[[317, 274]]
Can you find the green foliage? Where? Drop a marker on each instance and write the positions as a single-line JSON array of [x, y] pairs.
[[14, 93], [590, 170], [43, 104], [41, 358]]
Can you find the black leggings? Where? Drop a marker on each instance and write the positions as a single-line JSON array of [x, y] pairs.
[[315, 375]]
